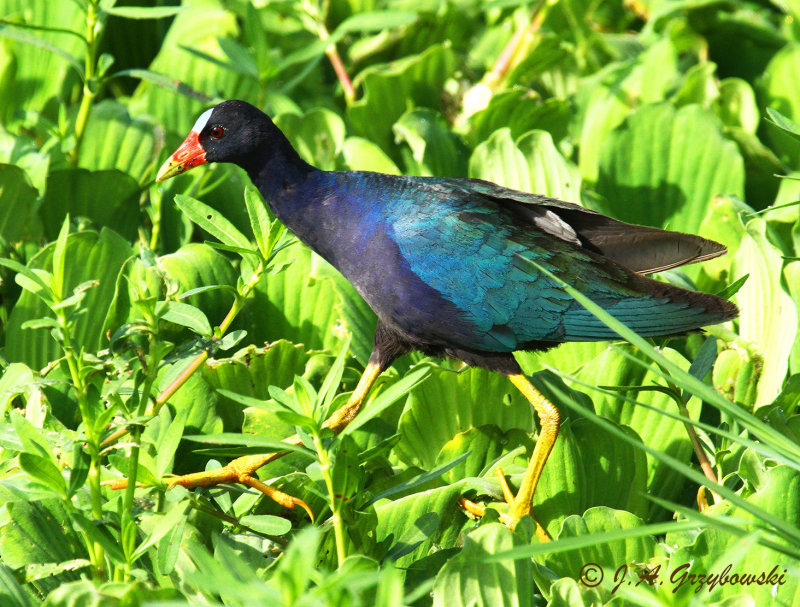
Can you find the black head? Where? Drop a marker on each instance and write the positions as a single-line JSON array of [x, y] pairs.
[[233, 131]]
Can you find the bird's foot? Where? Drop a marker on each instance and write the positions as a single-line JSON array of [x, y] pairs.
[[516, 508], [241, 470]]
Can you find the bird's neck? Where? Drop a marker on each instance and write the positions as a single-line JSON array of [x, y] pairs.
[[278, 170]]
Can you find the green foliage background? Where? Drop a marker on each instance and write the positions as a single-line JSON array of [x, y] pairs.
[[673, 113]]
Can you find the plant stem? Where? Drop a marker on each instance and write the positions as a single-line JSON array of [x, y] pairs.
[[338, 529], [89, 86], [93, 478], [151, 371], [517, 44], [341, 74]]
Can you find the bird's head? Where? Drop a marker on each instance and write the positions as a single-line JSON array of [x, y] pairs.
[[233, 131]]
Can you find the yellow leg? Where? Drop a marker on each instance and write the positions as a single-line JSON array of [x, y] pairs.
[[549, 421], [242, 469]]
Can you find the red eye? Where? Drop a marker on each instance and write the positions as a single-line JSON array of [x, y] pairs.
[[216, 132]]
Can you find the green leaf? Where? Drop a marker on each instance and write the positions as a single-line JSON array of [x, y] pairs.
[[532, 164], [187, 316], [163, 526], [58, 261], [44, 470], [39, 532], [467, 579], [389, 90], [246, 440], [259, 217], [434, 148], [294, 305], [195, 265], [519, 110], [266, 523], [317, 135], [13, 594], [407, 527], [374, 21], [714, 548], [451, 402], [663, 167], [17, 203], [109, 198], [781, 95], [144, 12], [611, 368], [199, 28], [26, 36], [783, 122], [608, 556], [212, 222], [116, 140], [362, 155], [768, 315]]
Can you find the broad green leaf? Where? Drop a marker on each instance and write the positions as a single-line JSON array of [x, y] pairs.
[[317, 135], [611, 368], [434, 149], [531, 164], [781, 92], [482, 446], [466, 580], [259, 217], [249, 373], [608, 556], [40, 532], [374, 21], [359, 319], [768, 316], [607, 97], [17, 203], [390, 89], [663, 167], [44, 470], [713, 548], [11, 591], [163, 526], [589, 468], [246, 440], [724, 223], [519, 110], [89, 256], [109, 198], [451, 402], [292, 305], [116, 140], [362, 155], [736, 104], [199, 27], [25, 153], [45, 61], [409, 526], [196, 265], [16, 379], [566, 592]]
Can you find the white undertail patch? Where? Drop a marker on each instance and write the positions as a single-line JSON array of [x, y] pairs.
[[202, 121]]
